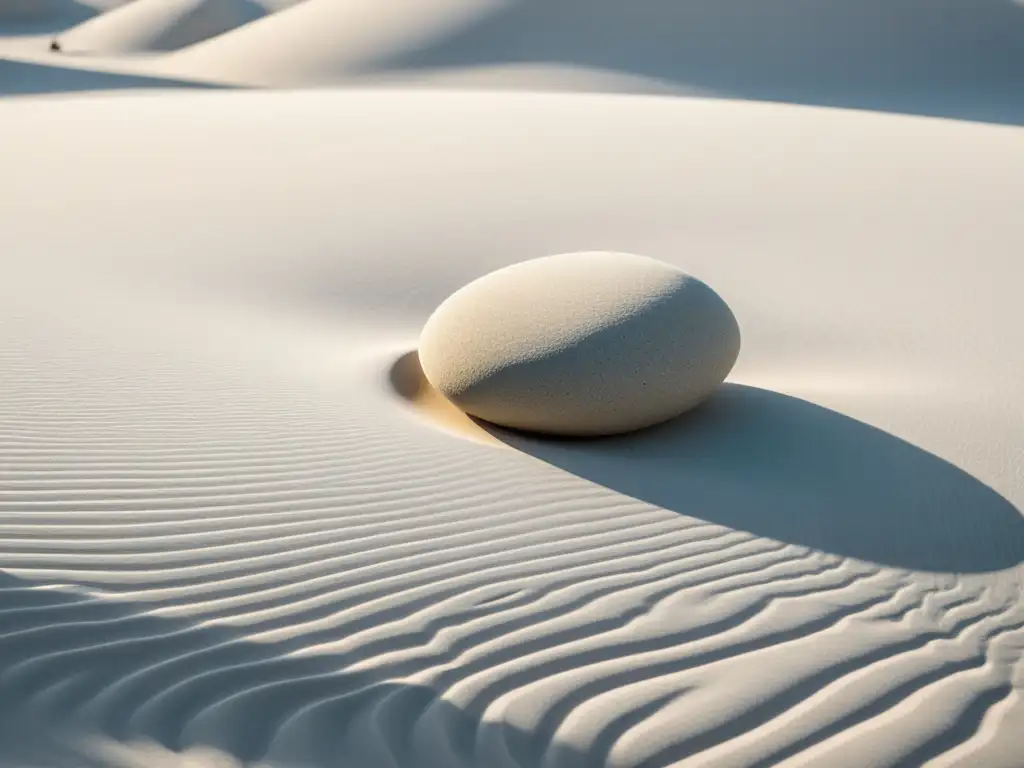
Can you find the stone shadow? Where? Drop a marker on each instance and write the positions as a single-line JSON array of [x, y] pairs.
[[781, 467]]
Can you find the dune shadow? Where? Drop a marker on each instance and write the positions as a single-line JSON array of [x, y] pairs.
[[180, 30], [946, 58], [23, 17], [22, 78], [784, 468]]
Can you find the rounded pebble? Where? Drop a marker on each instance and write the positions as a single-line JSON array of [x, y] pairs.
[[580, 344]]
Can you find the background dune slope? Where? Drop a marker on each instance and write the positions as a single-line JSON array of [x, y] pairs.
[[943, 57], [949, 58], [159, 25]]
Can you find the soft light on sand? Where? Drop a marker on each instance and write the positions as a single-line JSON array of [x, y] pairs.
[[238, 526], [158, 25]]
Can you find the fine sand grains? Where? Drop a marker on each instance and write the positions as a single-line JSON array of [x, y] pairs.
[[232, 534]]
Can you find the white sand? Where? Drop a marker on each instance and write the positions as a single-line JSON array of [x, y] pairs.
[[231, 533], [144, 26]]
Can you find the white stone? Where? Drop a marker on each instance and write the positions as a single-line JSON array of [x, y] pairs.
[[580, 344]]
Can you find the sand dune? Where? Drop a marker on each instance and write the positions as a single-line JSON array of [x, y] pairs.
[[47, 10], [227, 539], [322, 41], [19, 78], [159, 25], [942, 57], [947, 58], [238, 527]]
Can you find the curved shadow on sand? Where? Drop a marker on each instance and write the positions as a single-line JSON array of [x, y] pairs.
[[22, 78], [408, 383], [784, 468], [41, 16], [87, 683], [946, 58]]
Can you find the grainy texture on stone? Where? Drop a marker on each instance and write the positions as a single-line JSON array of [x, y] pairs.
[[580, 344]]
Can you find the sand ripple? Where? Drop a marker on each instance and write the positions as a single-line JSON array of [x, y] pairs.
[[281, 581], [225, 540]]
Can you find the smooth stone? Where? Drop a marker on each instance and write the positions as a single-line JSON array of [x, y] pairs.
[[580, 344]]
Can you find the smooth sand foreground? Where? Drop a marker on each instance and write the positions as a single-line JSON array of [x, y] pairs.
[[230, 536]]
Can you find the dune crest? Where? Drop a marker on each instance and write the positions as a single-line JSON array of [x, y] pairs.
[[935, 57], [146, 26], [325, 41]]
